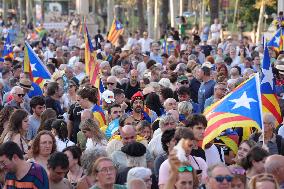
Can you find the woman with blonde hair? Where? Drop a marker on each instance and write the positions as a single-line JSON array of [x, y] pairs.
[[17, 129], [95, 138], [263, 180]]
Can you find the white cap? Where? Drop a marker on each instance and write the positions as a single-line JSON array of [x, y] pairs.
[[207, 64], [165, 82], [108, 96], [16, 48]]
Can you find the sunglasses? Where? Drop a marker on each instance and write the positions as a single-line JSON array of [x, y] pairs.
[[21, 95], [110, 83], [185, 168], [184, 82], [220, 179]]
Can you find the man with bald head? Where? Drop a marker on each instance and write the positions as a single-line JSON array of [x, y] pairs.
[[133, 85], [128, 135], [111, 83], [274, 165]]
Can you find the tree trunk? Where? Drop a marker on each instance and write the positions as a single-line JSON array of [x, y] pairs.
[[214, 10], [150, 18], [235, 13], [157, 20], [181, 7], [202, 12], [260, 22], [172, 11], [140, 12], [164, 15], [190, 7], [110, 13], [28, 10]]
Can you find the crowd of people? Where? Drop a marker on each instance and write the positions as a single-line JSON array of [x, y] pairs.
[[68, 134]]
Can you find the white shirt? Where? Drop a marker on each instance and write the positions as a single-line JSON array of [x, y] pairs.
[[62, 145], [91, 145], [80, 76], [236, 61], [73, 60], [48, 54], [155, 146], [141, 68], [215, 31], [145, 44], [212, 156]]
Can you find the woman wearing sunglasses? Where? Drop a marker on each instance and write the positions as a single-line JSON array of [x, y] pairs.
[[181, 176]]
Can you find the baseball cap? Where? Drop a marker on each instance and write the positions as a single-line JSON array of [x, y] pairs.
[[182, 78]]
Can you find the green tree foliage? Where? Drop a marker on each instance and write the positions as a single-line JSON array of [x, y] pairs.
[[249, 9]]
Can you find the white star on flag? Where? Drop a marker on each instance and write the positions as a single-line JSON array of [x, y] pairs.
[[277, 40], [243, 101], [33, 67], [267, 77], [8, 46]]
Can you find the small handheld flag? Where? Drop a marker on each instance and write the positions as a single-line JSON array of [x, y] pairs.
[[8, 50]]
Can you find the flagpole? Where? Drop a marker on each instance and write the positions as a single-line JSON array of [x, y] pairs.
[[260, 105]]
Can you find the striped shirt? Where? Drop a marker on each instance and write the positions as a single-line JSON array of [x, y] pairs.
[[36, 178]]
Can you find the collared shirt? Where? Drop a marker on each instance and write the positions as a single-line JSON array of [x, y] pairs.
[[271, 144]]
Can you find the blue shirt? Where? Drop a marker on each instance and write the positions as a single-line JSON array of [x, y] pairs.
[[205, 91], [157, 58]]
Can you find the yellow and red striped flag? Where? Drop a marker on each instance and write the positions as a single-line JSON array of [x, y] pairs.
[[270, 102], [116, 30]]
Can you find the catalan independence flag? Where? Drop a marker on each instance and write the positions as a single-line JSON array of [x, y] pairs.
[[116, 29], [92, 66], [268, 95], [34, 66], [240, 108], [277, 41], [8, 49]]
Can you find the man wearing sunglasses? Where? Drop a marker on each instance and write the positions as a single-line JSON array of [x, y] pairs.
[[219, 177], [18, 98]]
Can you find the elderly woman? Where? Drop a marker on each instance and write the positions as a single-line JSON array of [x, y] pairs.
[[104, 173], [140, 173], [105, 68], [185, 109], [88, 157], [120, 74]]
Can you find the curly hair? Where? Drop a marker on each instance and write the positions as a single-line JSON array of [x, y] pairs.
[[5, 114], [90, 156], [36, 143]]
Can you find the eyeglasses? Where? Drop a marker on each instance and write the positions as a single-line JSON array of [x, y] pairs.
[[21, 95], [185, 168], [220, 179], [110, 83], [106, 170], [184, 82]]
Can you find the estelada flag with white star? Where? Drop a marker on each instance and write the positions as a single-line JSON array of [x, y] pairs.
[[277, 40], [8, 49], [270, 103], [240, 108], [115, 31], [34, 66]]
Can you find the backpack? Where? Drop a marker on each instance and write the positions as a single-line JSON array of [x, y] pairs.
[[279, 142]]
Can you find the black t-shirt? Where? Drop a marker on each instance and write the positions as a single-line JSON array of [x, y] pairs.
[[206, 50], [129, 90], [74, 115], [55, 105], [199, 152]]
